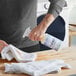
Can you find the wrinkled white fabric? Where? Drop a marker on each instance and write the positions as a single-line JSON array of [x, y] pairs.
[[36, 68], [10, 52]]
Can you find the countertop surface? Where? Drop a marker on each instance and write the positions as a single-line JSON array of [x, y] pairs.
[[68, 55]]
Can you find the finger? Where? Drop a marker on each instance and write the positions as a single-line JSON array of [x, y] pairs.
[[42, 37], [37, 38], [2, 44], [32, 36]]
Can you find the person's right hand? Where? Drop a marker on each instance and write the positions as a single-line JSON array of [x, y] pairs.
[[2, 45]]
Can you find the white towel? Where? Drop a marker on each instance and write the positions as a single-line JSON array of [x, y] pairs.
[[10, 52], [37, 68]]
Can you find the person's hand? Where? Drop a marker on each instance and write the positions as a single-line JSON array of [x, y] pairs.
[[2, 45], [37, 33]]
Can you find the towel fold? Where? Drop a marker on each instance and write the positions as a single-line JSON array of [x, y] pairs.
[[9, 52], [37, 68]]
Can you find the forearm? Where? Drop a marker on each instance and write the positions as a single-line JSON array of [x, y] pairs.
[[37, 33], [54, 10], [47, 20]]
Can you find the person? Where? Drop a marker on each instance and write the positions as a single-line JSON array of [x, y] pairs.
[[17, 15]]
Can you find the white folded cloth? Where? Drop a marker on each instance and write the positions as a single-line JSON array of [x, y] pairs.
[[9, 52], [37, 68]]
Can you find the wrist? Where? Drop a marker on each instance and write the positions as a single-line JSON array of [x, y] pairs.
[[48, 19]]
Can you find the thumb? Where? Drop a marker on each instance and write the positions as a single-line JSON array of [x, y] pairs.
[[2, 45]]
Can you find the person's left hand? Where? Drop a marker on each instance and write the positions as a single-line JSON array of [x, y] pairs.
[[2, 45], [37, 33]]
